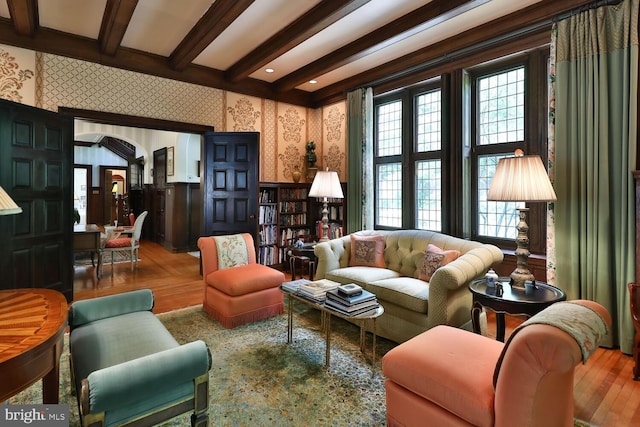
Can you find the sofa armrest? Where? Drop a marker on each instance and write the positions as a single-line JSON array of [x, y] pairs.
[[82, 312], [144, 377], [448, 295], [329, 254]]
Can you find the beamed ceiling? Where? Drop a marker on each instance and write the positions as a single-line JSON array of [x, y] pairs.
[[229, 44]]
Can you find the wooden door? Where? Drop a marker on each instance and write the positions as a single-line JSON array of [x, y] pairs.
[[36, 169], [229, 183]]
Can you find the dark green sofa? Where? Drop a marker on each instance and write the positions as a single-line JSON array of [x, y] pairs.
[[128, 369]]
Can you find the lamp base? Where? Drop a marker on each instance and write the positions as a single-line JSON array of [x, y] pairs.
[[521, 274]]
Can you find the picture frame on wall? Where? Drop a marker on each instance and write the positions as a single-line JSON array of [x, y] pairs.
[[170, 161]]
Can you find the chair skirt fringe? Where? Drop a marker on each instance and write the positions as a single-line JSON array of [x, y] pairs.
[[230, 322]]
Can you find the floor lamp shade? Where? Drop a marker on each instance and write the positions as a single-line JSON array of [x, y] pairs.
[[521, 179], [326, 184], [7, 205]]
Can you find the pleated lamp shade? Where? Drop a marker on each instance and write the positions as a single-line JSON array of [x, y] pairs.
[[7, 205], [326, 184], [521, 179]]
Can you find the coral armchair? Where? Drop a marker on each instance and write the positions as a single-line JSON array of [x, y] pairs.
[[449, 376], [238, 290], [634, 298], [125, 244]]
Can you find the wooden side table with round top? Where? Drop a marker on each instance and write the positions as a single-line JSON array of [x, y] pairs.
[[510, 300], [32, 326]]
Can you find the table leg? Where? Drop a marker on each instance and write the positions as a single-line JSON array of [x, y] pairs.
[[476, 310], [327, 358], [373, 349], [500, 326], [51, 385], [290, 320]]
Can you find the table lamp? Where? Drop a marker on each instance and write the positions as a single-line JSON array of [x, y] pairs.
[[326, 184], [521, 179], [7, 205]]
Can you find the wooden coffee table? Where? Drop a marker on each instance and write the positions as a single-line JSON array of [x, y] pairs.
[[32, 325], [325, 324]]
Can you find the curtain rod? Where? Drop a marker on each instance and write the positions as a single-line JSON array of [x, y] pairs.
[[594, 5]]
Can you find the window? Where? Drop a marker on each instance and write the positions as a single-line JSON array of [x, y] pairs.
[[437, 147], [408, 174], [500, 123]]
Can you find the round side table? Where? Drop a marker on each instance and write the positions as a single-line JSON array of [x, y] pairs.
[[511, 300]]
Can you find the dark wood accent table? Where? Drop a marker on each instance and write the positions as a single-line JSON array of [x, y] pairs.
[[32, 325], [512, 301], [305, 254], [86, 238]]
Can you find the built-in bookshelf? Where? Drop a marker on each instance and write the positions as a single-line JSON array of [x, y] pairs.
[[287, 211], [268, 225]]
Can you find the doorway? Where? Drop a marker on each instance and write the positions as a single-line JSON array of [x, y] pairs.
[[81, 189]]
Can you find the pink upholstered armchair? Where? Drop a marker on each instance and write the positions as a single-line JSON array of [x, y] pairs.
[[448, 376], [238, 290]]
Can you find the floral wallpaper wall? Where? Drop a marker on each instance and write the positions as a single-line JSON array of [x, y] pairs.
[[49, 81], [17, 71]]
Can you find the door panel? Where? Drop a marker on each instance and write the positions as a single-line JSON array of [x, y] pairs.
[[36, 169], [230, 183]]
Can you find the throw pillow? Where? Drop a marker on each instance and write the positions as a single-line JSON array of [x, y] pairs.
[[367, 251], [435, 258]]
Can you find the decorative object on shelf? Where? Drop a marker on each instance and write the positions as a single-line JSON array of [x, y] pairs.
[[170, 161], [7, 205], [326, 184], [311, 174], [310, 156], [296, 174], [521, 179]]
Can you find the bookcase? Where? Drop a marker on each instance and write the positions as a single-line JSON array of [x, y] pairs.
[[286, 211]]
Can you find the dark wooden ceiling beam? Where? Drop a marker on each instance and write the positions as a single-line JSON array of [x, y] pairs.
[[219, 16], [433, 13], [511, 26], [24, 14], [315, 20], [86, 49], [115, 21]]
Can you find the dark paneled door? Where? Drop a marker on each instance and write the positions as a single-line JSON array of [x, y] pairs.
[[36, 169], [229, 183]]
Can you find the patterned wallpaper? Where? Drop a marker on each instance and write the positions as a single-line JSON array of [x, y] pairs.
[[50, 81]]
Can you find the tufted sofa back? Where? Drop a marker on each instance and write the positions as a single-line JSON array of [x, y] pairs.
[[404, 249]]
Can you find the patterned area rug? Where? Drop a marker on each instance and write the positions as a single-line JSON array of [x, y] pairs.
[[82, 259], [258, 379]]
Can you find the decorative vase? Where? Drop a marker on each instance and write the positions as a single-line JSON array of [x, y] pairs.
[[311, 173], [296, 175]]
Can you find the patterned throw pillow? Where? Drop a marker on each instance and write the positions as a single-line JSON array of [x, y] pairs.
[[435, 258], [367, 251]]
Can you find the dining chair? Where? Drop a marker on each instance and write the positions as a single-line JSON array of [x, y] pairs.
[[125, 244]]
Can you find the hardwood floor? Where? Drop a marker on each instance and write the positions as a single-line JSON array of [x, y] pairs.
[[605, 393]]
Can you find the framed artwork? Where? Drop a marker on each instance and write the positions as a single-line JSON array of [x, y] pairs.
[[170, 161]]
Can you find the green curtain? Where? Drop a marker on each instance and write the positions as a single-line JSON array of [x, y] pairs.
[[592, 159], [360, 160]]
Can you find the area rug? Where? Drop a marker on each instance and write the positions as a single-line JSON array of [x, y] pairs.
[[84, 259], [258, 379]]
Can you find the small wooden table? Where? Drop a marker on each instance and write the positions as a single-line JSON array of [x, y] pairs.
[[86, 238], [511, 301], [32, 325]]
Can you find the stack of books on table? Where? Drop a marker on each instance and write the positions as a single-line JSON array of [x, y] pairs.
[[294, 286], [317, 290], [351, 300]]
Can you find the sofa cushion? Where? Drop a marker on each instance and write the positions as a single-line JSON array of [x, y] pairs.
[[360, 275], [435, 258], [245, 279], [407, 292], [367, 251], [423, 364]]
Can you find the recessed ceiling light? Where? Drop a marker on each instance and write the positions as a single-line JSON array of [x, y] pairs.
[[313, 82], [269, 70]]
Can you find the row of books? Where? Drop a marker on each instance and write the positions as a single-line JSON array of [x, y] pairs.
[[268, 214], [268, 235], [293, 207], [268, 255], [268, 195], [333, 232]]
